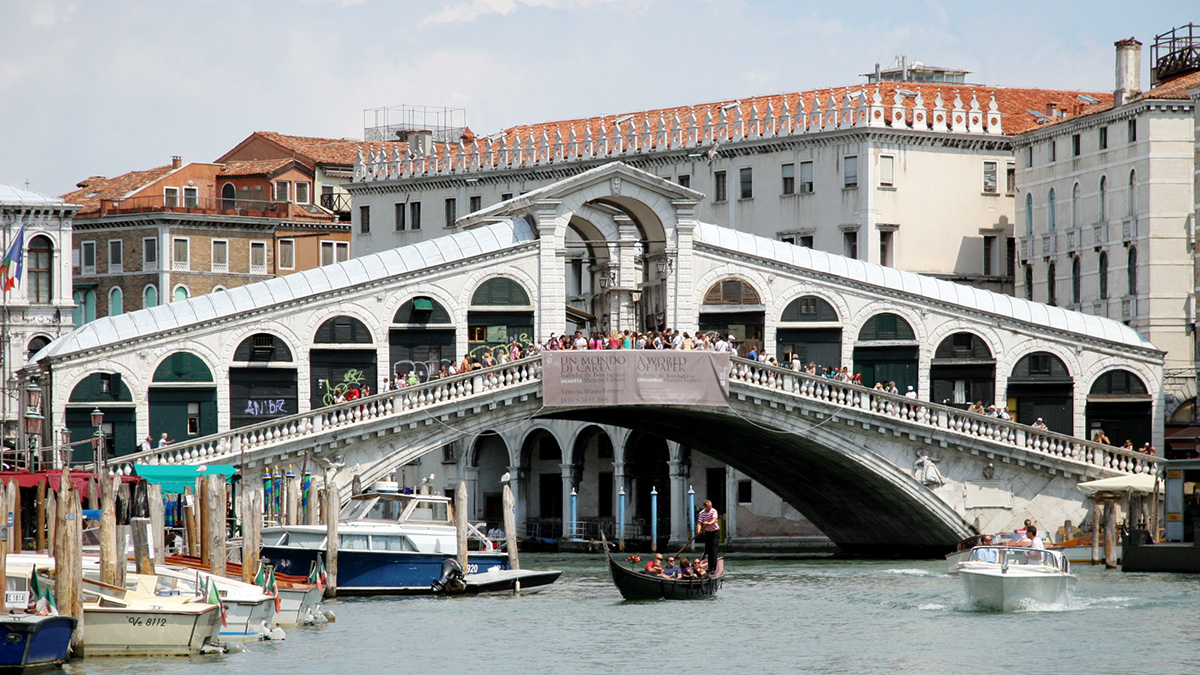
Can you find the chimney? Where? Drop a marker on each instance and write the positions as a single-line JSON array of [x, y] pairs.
[[1052, 109], [176, 161], [1129, 71], [420, 142]]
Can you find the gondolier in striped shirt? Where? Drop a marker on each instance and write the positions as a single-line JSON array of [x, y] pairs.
[[708, 523]]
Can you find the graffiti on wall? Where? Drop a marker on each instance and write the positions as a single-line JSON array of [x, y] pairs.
[[353, 379]]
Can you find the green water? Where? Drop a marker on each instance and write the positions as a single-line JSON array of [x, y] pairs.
[[795, 615]]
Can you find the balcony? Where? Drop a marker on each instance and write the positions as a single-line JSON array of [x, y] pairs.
[[1074, 240], [338, 203], [1099, 234], [1024, 248], [204, 206], [1129, 229], [180, 266], [258, 269], [1128, 309], [1100, 309], [1049, 245]]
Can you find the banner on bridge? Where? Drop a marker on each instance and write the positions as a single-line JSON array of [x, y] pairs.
[[635, 377]]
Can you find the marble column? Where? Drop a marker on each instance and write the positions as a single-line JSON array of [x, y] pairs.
[[568, 482]]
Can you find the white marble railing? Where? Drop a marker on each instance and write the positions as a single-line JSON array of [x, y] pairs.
[[229, 446], [879, 403]]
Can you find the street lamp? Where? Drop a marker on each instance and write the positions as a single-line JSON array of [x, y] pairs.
[[98, 440], [33, 396], [665, 266], [65, 435], [32, 420]]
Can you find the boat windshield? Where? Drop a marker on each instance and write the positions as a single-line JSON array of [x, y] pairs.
[[426, 511], [303, 539], [1019, 555], [356, 508]]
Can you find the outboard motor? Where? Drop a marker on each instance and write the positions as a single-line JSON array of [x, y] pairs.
[[453, 580]]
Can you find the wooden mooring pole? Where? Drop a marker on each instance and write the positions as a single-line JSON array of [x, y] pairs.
[[1110, 533], [460, 523], [333, 506], [1095, 531], [510, 528], [215, 491], [108, 531], [68, 558], [252, 515]]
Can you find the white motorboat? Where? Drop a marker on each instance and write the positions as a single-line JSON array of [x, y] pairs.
[[963, 551], [120, 622], [250, 612], [1016, 577]]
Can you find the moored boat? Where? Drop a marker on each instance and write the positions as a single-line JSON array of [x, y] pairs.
[[119, 622], [299, 600], [1016, 577], [29, 642], [389, 543]]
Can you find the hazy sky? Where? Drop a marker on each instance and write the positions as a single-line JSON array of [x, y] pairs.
[[101, 88]]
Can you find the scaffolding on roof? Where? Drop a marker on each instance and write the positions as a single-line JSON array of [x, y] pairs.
[[394, 123], [1175, 52]]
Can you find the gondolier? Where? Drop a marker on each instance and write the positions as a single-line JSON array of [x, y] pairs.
[[708, 522]]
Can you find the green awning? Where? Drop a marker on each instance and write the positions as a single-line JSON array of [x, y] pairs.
[[176, 478], [422, 304]]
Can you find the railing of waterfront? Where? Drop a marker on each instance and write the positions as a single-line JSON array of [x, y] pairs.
[[939, 416], [230, 445]]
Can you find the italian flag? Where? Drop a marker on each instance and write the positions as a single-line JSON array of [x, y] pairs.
[[10, 267]]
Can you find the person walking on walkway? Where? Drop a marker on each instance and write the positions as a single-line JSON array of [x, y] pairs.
[[708, 523]]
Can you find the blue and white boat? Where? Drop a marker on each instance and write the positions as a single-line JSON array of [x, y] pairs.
[[388, 543], [29, 642]]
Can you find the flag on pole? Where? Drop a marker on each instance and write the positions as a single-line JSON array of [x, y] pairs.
[[316, 575], [273, 588], [10, 267], [213, 597]]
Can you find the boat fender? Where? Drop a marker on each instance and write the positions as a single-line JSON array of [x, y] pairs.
[[452, 581]]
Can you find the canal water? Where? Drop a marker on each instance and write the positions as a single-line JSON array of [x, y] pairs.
[[789, 615]]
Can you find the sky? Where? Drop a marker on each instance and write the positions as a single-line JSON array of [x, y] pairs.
[[102, 88]]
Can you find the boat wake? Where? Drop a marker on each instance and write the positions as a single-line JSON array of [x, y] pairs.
[[912, 572], [932, 607]]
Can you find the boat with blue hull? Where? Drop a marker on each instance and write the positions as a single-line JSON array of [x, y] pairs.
[[30, 643], [389, 543]]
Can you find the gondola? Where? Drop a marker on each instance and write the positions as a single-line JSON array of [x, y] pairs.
[[637, 585]]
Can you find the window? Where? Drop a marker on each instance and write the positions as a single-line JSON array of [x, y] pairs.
[[87, 257], [40, 276], [1051, 283], [505, 196], [258, 257], [719, 194], [180, 254], [1131, 129], [1010, 268], [1076, 280], [334, 252], [850, 244], [746, 183], [283, 191], [116, 255], [116, 301], [327, 253], [1029, 282], [1028, 214], [885, 247], [806, 177], [685, 180], [343, 251], [1102, 210], [170, 196], [1010, 179], [989, 250], [1103, 138], [989, 177], [745, 492], [451, 212], [887, 170], [191, 197], [788, 171], [1028, 156], [1103, 273], [1052, 213], [220, 255], [476, 203], [181, 294], [150, 254], [1051, 151], [150, 296], [1075, 146], [806, 240], [364, 219], [193, 418], [1132, 204], [1131, 271], [287, 254], [414, 215], [850, 172], [399, 219], [327, 197], [302, 193]]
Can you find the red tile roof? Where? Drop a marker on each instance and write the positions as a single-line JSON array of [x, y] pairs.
[[259, 167], [337, 151], [1174, 89], [93, 189]]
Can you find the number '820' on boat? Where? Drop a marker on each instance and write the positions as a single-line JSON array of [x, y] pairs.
[[388, 543]]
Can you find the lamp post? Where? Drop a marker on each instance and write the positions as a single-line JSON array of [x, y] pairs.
[[65, 437], [32, 421], [98, 440]]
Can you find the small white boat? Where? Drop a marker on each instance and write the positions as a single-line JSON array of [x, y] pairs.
[[119, 622], [1015, 577], [250, 613]]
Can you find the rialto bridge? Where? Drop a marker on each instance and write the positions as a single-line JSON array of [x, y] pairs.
[[250, 375]]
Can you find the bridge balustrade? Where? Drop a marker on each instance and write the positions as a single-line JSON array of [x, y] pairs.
[[923, 413], [232, 444]]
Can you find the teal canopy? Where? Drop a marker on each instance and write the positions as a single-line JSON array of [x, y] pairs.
[[176, 478]]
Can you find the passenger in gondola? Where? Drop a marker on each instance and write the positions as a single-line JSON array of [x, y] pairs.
[[655, 566], [699, 568], [685, 568], [670, 569]]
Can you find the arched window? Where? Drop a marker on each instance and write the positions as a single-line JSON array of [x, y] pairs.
[[1051, 215], [1028, 214], [1075, 206], [150, 296], [500, 291], [732, 292], [1131, 271], [1132, 210], [35, 346], [85, 306], [1029, 282], [1104, 275], [39, 276], [1102, 210], [808, 308], [1076, 273], [181, 293], [886, 327], [1051, 291], [228, 196], [343, 330], [116, 301]]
